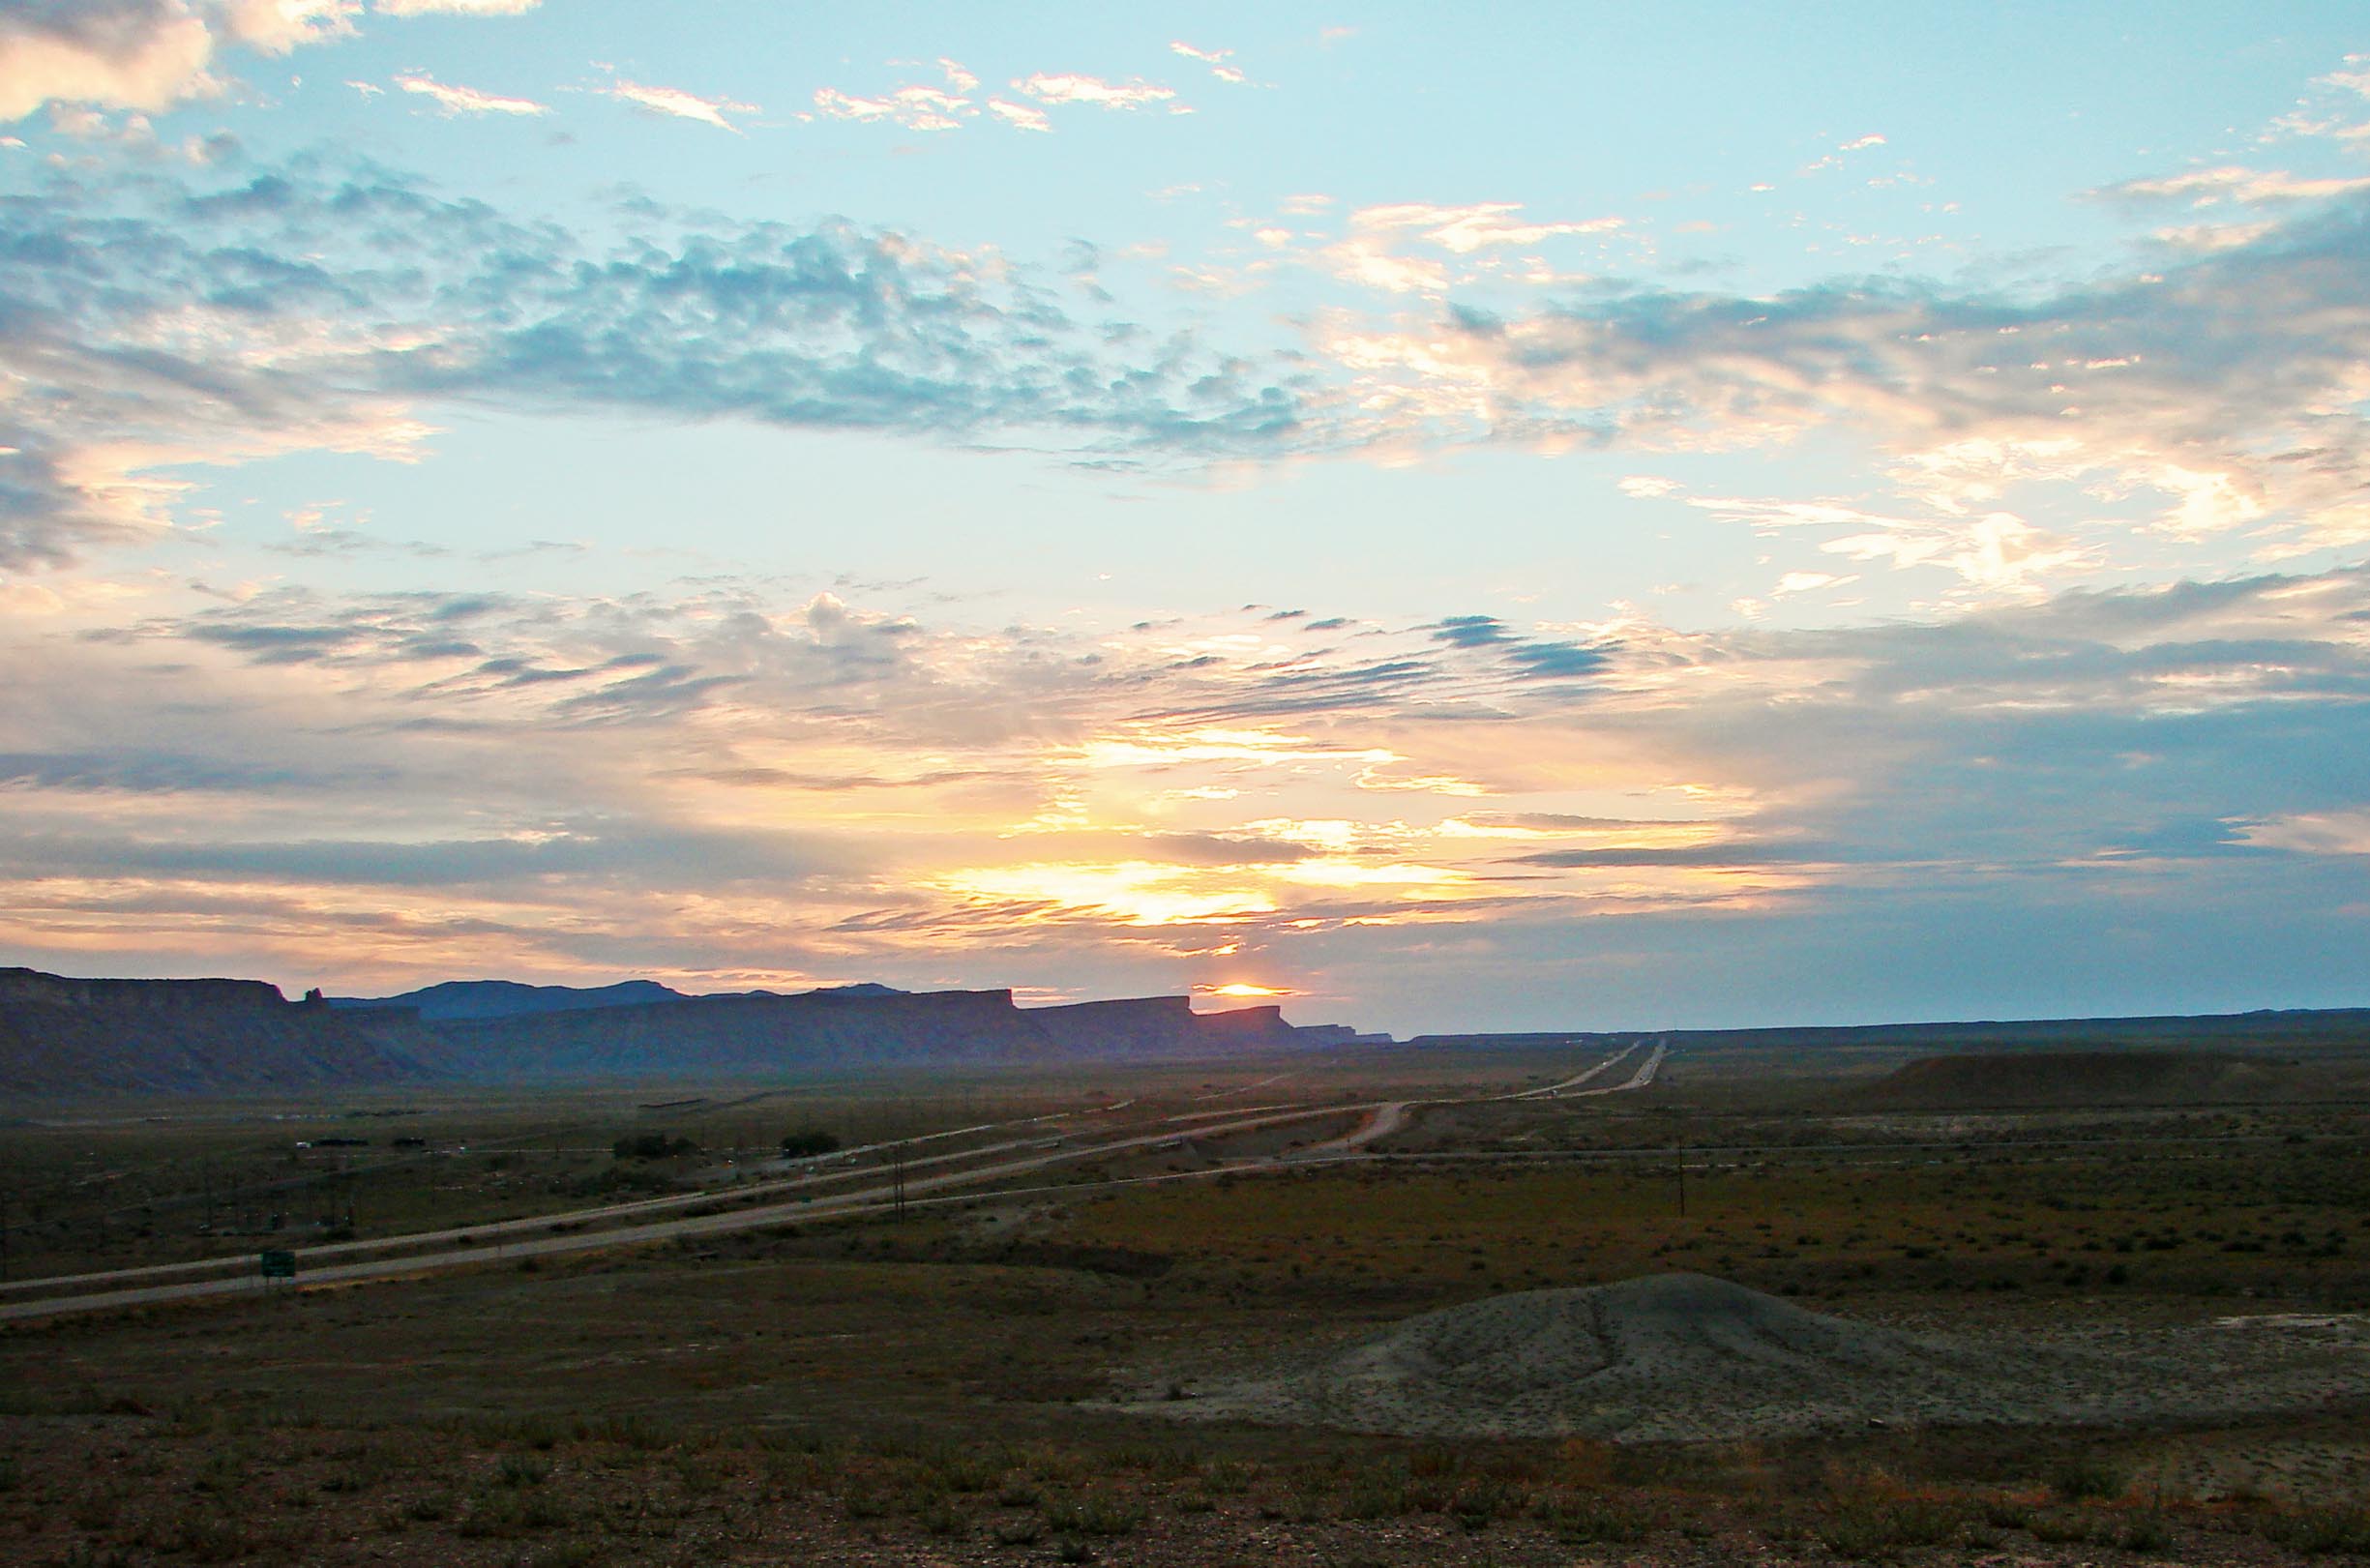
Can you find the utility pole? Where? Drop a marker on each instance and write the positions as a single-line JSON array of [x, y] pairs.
[[898, 1181], [1682, 1183]]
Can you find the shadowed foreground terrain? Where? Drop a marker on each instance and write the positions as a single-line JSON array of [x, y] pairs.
[[2089, 1336]]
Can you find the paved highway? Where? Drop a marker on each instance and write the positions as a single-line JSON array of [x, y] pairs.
[[550, 1234], [821, 1171]]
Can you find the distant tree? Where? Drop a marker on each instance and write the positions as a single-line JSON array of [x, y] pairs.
[[812, 1141]]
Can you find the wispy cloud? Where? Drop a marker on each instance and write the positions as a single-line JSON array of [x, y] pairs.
[[2333, 110], [1021, 116], [1993, 552], [1476, 227], [2208, 395], [2232, 182], [453, 8], [1377, 251], [930, 106], [679, 104], [2201, 399], [307, 340], [457, 100], [1065, 87], [915, 106], [1215, 59]]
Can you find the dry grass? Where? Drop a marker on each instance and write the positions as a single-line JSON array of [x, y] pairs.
[[896, 1393]]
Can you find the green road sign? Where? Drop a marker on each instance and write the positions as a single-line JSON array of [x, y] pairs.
[[278, 1266]]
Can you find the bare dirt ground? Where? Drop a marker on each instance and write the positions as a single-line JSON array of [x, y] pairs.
[[1689, 1358]]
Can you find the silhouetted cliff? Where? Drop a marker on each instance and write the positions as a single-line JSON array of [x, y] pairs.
[[81, 1037], [1154, 1026], [755, 1036], [503, 998], [747, 1036], [60, 1036]]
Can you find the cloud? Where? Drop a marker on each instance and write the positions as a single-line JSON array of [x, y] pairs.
[[2230, 183], [2213, 395], [135, 136], [137, 54], [1994, 552], [413, 780], [453, 8], [1531, 656], [147, 56], [680, 104], [2212, 236], [1362, 260], [916, 105], [1369, 255], [2209, 400], [1469, 228], [1215, 59], [278, 27], [916, 108], [1021, 116], [2330, 111], [243, 317], [454, 100], [1062, 87], [2311, 833]]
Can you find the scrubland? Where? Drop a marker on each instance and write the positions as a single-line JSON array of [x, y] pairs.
[[946, 1386]]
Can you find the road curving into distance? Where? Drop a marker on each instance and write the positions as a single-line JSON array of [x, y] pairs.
[[820, 1171], [573, 1230]]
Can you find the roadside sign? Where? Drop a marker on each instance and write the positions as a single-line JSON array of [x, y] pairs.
[[277, 1264]]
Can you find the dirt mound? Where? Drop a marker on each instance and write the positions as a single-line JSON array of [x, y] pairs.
[[2076, 1079], [1685, 1356]]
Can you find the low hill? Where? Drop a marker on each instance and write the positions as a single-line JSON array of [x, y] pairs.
[[1687, 1357], [2082, 1079], [61, 1036]]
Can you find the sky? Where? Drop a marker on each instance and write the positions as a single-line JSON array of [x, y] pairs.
[[1559, 517]]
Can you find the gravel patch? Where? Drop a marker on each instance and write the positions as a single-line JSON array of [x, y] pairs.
[[1679, 1358]]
